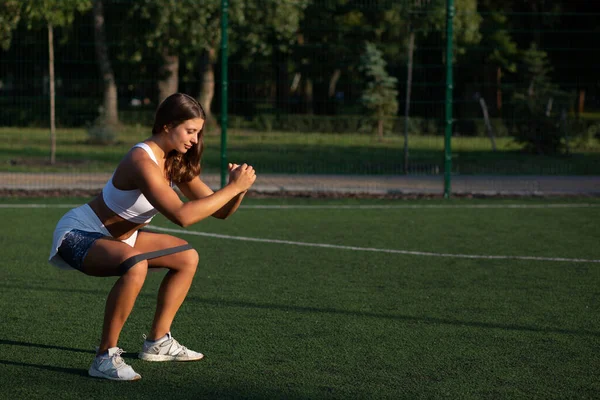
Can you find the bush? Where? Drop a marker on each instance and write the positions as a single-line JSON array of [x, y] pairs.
[[263, 122], [101, 132], [364, 124], [582, 134], [477, 127]]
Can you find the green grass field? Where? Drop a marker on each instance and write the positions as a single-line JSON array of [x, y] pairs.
[[28, 150], [293, 320]]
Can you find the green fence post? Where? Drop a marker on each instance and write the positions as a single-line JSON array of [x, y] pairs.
[[224, 22], [449, 88]]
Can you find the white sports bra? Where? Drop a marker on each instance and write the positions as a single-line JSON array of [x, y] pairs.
[[130, 205]]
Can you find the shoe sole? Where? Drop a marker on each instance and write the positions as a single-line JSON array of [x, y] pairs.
[[163, 358], [97, 374]]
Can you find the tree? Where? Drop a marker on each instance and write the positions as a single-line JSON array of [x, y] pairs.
[[425, 17], [110, 114], [537, 127], [183, 28], [10, 14], [332, 31], [503, 49], [52, 13], [380, 95], [268, 29]]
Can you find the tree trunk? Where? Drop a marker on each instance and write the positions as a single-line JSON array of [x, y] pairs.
[[380, 128], [335, 77], [52, 94], [549, 106], [411, 50], [207, 91], [308, 95], [499, 91], [563, 126], [169, 76], [333, 80], [581, 102], [488, 124], [282, 91], [111, 115]]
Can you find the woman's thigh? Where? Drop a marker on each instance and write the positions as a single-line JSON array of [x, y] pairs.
[[105, 257], [150, 241]]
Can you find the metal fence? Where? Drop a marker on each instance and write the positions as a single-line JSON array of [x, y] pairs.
[[320, 94]]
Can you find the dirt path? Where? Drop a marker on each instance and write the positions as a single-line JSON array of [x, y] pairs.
[[338, 184]]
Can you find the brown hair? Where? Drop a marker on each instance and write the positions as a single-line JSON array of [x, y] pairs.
[[174, 110]]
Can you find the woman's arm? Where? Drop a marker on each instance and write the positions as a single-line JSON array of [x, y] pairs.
[[148, 178], [196, 189]]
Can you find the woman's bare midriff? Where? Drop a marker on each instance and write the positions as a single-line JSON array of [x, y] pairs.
[[118, 227]]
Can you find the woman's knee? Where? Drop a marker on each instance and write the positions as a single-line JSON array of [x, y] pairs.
[[193, 259], [137, 272], [189, 261]]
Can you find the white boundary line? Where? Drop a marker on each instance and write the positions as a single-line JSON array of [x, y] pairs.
[[39, 205], [371, 249], [423, 206], [359, 207], [355, 248]]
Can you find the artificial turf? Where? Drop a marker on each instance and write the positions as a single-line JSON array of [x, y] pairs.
[[282, 320]]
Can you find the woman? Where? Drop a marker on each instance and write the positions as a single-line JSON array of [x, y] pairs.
[[105, 237]]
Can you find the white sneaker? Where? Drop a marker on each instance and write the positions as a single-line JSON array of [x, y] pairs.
[[112, 366], [167, 349]]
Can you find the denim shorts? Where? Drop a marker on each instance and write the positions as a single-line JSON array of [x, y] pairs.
[[76, 245]]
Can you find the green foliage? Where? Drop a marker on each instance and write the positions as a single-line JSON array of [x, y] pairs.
[[428, 16], [55, 12], [582, 134], [102, 131], [499, 40], [178, 27], [538, 69], [477, 127], [380, 95], [260, 26], [332, 31], [10, 14], [537, 126]]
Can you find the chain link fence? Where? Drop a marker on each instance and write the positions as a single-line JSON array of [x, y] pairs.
[[324, 95]]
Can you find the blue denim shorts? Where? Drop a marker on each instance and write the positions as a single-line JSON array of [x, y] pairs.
[[75, 246]]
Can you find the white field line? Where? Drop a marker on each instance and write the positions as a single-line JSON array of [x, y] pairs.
[[360, 207], [39, 205], [355, 248], [371, 249], [422, 206]]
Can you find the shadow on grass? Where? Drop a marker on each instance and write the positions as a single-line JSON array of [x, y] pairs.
[[53, 347], [74, 371], [43, 346], [327, 310]]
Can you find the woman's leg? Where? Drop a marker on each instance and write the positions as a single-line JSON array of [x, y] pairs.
[[103, 259], [176, 283]]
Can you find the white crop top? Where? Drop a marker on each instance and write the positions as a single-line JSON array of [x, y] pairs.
[[131, 205]]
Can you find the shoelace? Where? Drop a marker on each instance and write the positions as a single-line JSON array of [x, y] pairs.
[[117, 359], [174, 344]]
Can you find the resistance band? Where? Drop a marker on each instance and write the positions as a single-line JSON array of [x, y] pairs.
[[131, 261]]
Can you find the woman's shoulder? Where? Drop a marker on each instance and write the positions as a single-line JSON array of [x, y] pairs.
[[136, 157], [138, 153]]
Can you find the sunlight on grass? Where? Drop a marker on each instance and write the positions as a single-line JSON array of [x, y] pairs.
[[28, 150]]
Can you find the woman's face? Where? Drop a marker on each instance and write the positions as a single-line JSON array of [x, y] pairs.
[[185, 135]]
